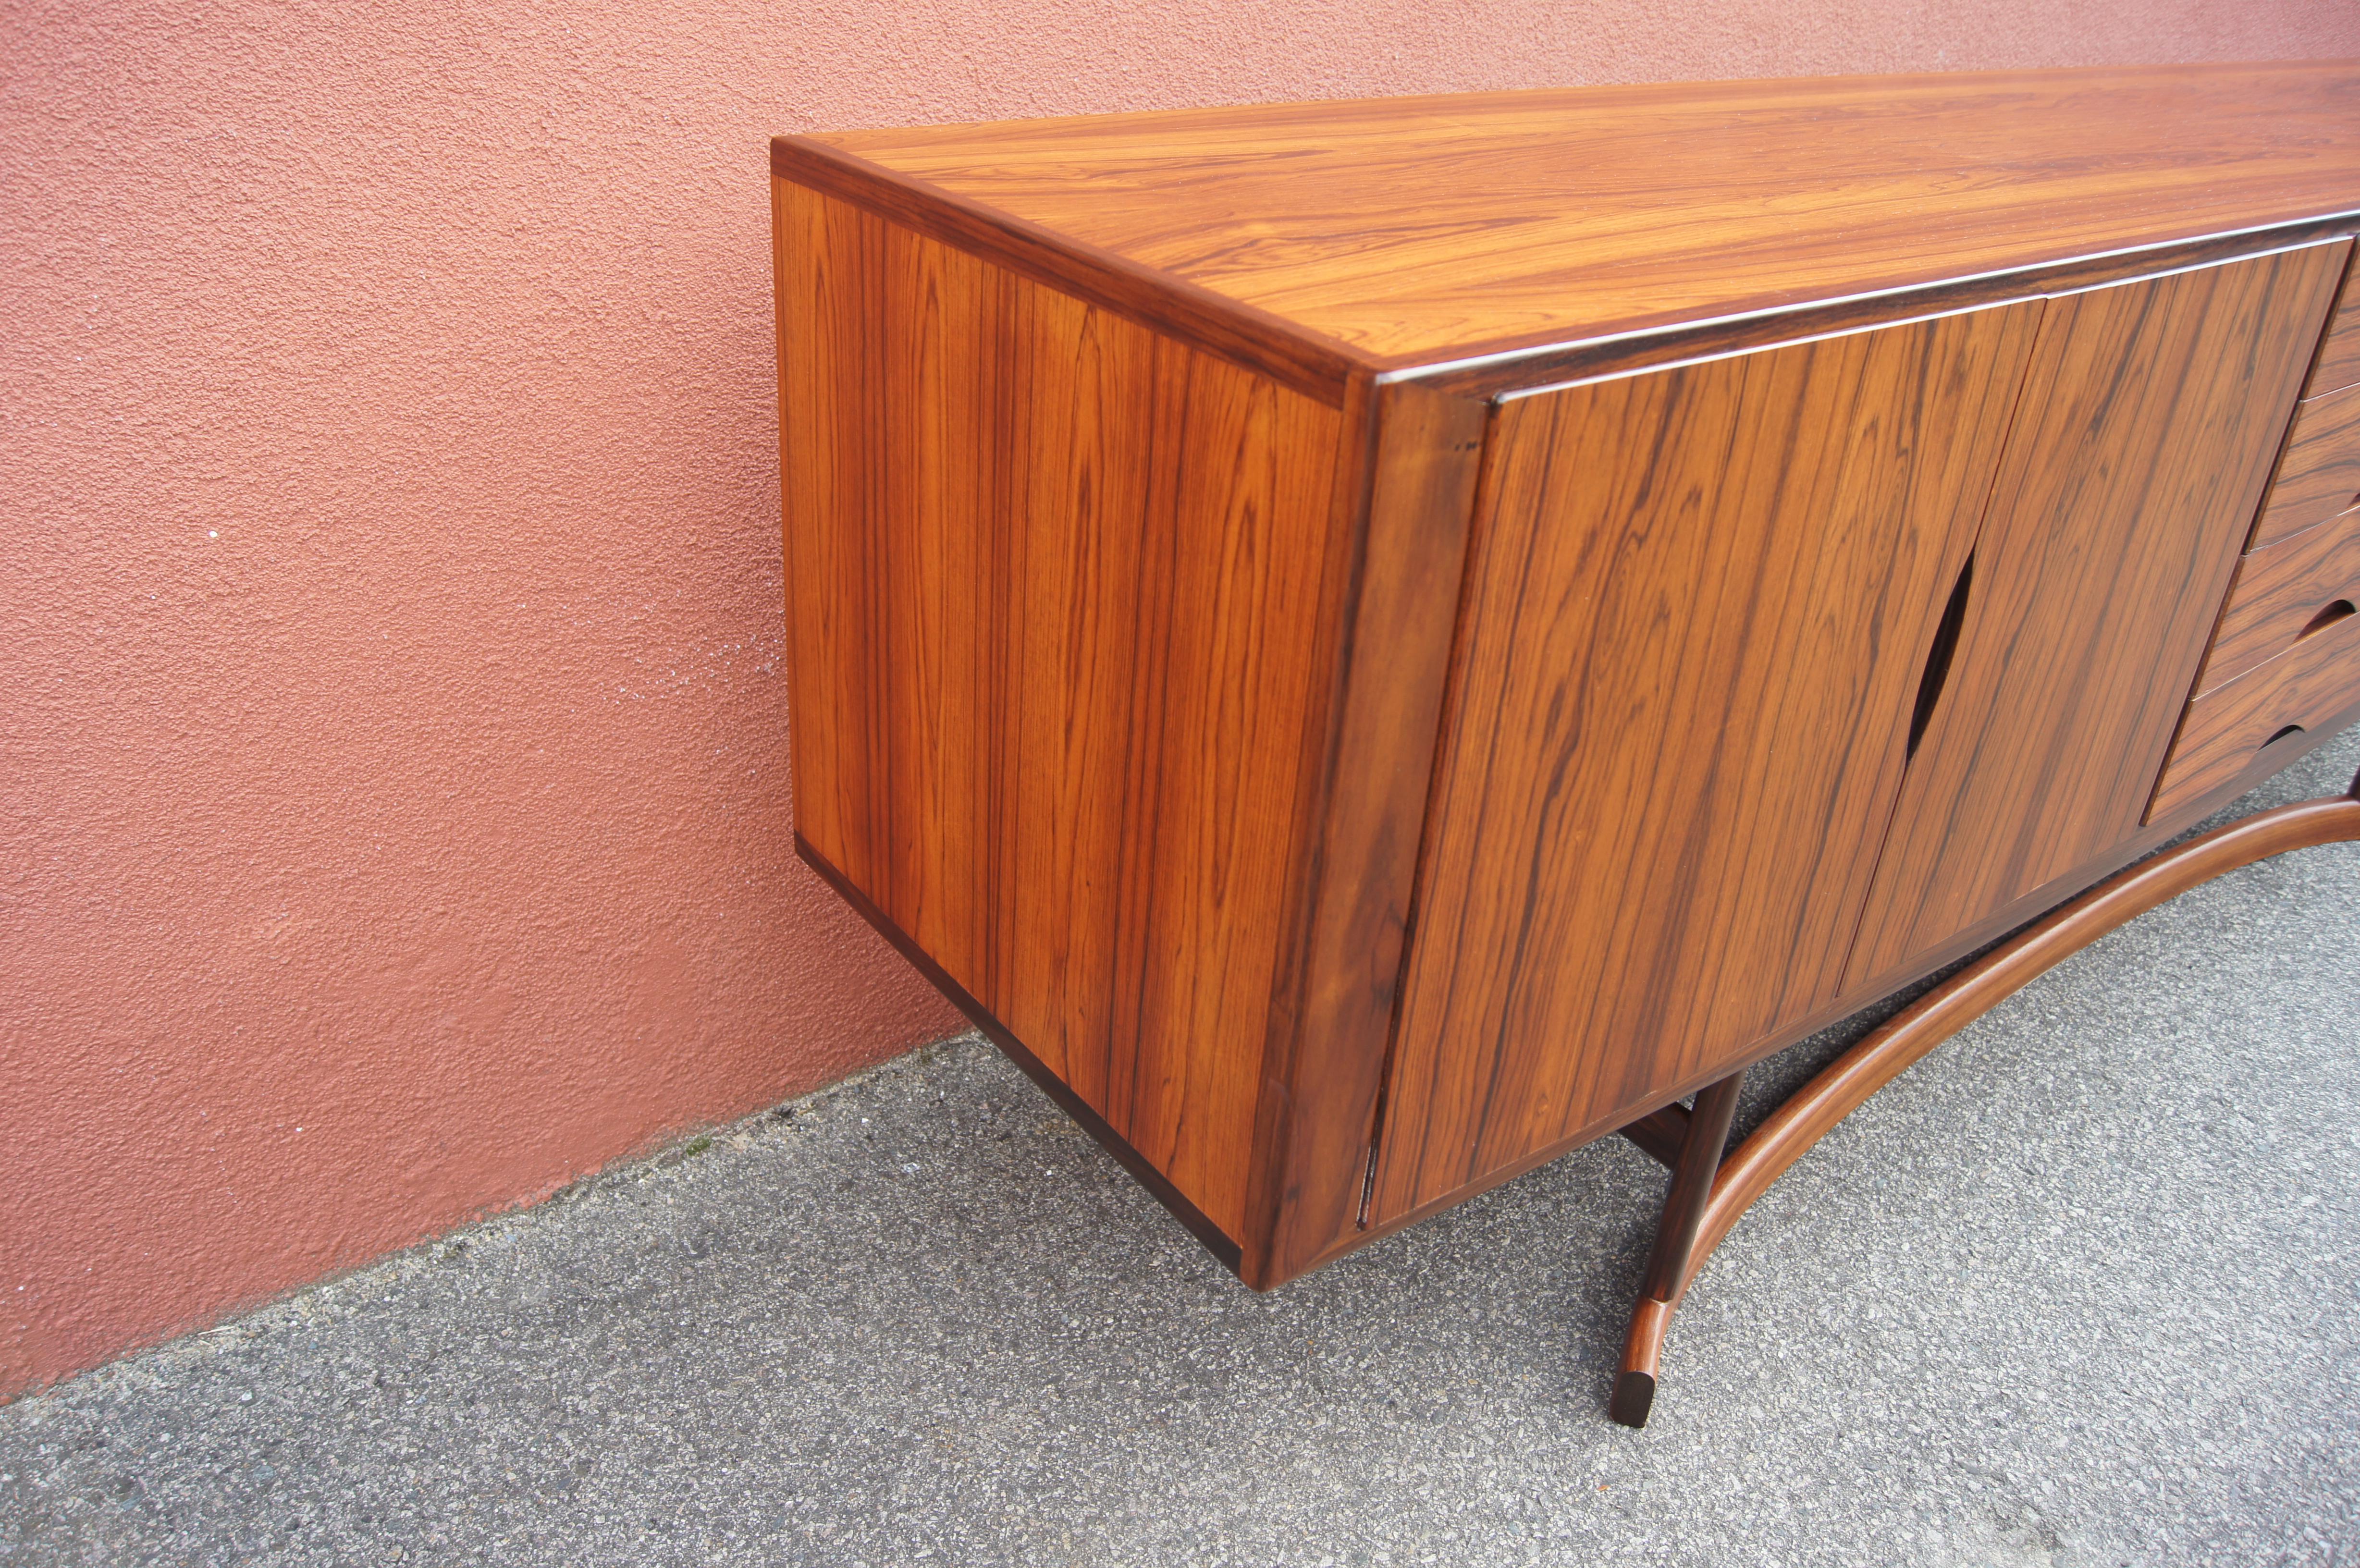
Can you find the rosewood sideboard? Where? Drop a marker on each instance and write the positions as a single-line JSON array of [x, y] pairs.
[[1370, 644]]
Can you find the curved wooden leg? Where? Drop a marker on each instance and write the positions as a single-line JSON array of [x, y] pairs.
[[1699, 1211], [1668, 1265]]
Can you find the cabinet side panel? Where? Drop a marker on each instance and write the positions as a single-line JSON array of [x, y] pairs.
[[1700, 601], [2151, 415], [1053, 586]]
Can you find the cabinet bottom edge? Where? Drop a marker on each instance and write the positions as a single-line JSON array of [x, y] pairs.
[[1198, 1224]]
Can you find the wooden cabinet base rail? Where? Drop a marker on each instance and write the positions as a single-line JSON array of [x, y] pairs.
[[1699, 1212]]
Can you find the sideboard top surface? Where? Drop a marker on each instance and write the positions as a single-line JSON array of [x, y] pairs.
[[1421, 231]]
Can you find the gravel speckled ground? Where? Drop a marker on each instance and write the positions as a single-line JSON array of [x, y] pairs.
[[2078, 1290]]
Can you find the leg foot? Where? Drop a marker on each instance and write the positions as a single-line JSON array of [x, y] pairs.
[[1643, 1349], [1634, 1394], [1703, 1135]]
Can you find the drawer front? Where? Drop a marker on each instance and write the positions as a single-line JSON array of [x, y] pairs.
[[2282, 591], [2339, 356], [2319, 474], [2308, 684]]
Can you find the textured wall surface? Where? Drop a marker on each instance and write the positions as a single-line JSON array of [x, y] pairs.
[[393, 805]]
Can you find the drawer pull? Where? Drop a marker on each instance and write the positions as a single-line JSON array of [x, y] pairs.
[[1938, 657], [2325, 619], [2276, 600], [2315, 681]]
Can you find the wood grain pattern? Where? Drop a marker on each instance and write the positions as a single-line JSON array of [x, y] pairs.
[[1323, 1065], [1252, 339], [1056, 590], [1415, 230], [1699, 601], [2305, 687], [2280, 590], [2158, 834], [2319, 475], [2339, 354], [2150, 417]]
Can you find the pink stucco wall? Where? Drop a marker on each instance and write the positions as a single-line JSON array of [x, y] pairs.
[[393, 788]]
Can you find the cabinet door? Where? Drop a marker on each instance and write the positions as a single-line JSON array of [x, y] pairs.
[[2151, 414], [1699, 602]]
